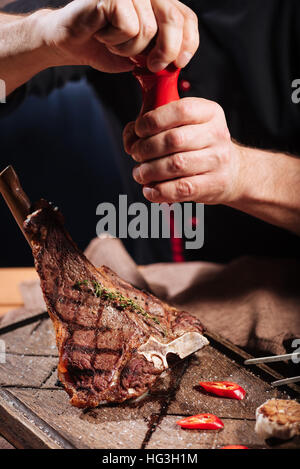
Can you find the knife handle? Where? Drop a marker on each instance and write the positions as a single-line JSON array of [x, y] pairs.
[[16, 199], [158, 88]]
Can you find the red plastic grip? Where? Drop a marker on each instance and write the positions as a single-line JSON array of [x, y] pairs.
[[158, 88]]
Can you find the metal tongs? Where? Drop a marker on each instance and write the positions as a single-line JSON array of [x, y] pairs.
[[277, 358]]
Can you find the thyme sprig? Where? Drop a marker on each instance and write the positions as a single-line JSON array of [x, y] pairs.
[[116, 297]]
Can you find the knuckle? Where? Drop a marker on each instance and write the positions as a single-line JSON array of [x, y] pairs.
[[150, 122], [188, 13], [176, 163], [173, 15], [132, 30], [191, 15], [185, 108], [144, 148], [131, 25], [128, 130], [217, 158], [195, 42], [221, 132], [226, 133], [149, 30], [167, 50], [217, 109], [224, 155], [174, 139], [184, 189], [136, 152]]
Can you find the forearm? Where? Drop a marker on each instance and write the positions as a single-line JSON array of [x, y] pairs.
[[22, 51], [269, 187]]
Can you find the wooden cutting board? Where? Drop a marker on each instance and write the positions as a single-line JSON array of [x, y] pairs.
[[35, 411]]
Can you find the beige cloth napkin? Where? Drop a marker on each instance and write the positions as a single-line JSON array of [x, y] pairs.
[[253, 302]]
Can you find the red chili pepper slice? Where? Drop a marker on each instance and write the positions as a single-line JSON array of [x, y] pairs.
[[224, 388], [201, 422], [234, 447]]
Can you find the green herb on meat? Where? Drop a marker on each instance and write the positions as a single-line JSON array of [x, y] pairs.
[[116, 297]]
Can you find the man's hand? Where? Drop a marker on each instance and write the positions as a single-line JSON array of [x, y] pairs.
[[185, 153], [104, 34]]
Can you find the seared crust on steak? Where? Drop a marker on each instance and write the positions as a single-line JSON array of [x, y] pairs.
[[99, 319]]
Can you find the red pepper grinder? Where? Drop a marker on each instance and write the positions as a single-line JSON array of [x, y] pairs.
[[158, 89]]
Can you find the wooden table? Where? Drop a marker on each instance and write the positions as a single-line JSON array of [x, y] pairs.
[[10, 278], [35, 411], [10, 298]]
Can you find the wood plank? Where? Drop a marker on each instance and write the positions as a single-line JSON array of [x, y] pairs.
[[235, 432], [37, 338], [51, 381], [10, 278], [210, 365], [264, 371], [14, 319], [4, 444], [32, 357], [108, 426], [20, 370], [24, 429], [113, 426]]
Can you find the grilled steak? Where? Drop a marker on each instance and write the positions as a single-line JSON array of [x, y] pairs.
[[111, 337]]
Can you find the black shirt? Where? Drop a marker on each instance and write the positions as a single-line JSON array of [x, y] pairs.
[[248, 57]]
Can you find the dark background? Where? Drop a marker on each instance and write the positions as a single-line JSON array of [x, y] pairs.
[[62, 150]]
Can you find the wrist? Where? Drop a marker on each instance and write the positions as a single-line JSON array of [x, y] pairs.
[[239, 159], [250, 175], [46, 54]]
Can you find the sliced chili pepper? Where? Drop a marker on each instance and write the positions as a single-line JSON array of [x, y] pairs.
[[234, 447], [224, 388], [201, 422]]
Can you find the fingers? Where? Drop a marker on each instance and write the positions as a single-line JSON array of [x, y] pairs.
[[129, 136], [100, 58], [201, 188], [122, 22], [122, 40], [190, 39], [127, 27], [187, 138], [175, 166], [80, 19], [178, 35], [169, 40], [177, 26], [186, 111]]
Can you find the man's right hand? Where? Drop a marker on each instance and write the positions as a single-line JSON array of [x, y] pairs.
[[104, 34]]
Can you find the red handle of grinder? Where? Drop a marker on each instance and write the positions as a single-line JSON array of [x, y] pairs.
[[158, 88]]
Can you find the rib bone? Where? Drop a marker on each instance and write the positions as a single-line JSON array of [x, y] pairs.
[[156, 352]]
